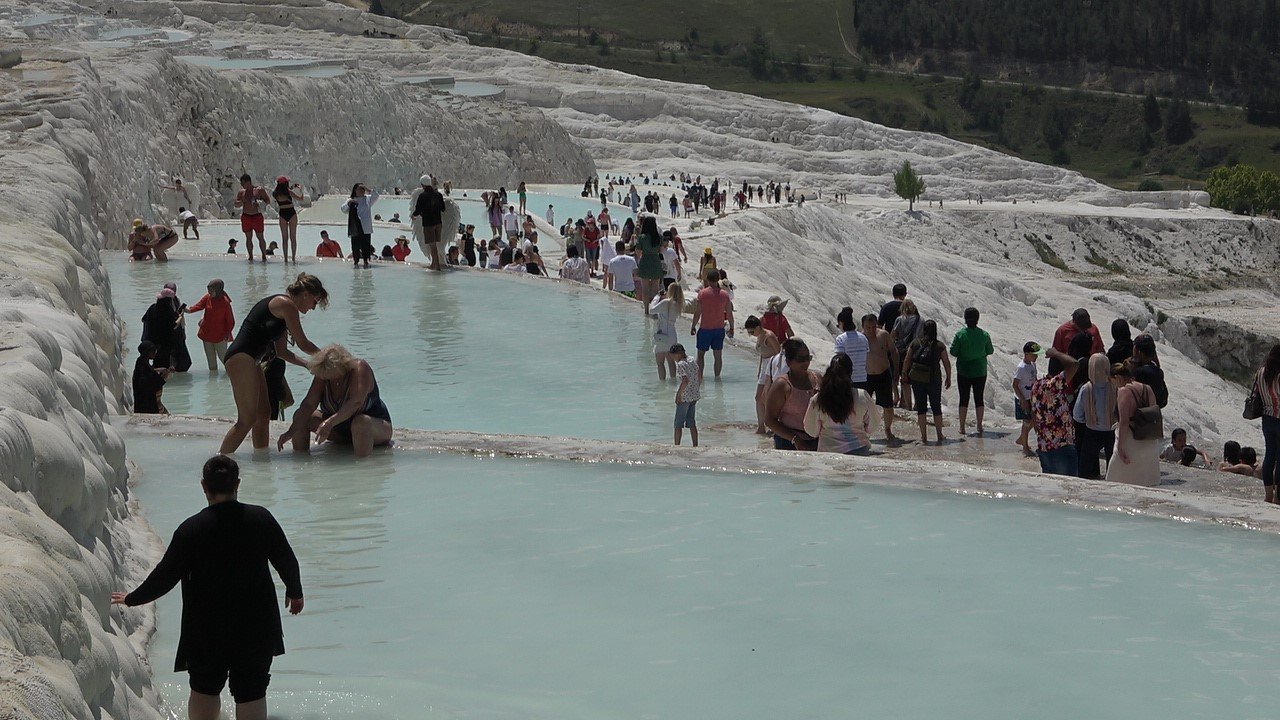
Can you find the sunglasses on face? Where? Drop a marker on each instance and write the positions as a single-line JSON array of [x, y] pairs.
[[803, 358]]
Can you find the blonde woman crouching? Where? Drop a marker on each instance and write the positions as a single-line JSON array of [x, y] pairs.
[[342, 405]]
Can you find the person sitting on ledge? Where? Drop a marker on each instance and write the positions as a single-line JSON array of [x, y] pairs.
[[342, 405]]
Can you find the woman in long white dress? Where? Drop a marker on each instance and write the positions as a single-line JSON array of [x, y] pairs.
[[1136, 462]]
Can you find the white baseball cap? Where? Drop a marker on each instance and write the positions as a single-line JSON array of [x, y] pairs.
[[426, 180]]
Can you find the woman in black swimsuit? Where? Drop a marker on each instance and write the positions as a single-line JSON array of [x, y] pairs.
[[343, 405], [284, 195], [264, 335]]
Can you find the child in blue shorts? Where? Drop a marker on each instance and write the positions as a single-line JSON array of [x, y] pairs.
[[689, 375]]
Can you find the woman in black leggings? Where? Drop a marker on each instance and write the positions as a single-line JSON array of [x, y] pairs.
[[922, 368]]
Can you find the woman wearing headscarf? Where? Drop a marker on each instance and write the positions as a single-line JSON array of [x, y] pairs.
[[1122, 347], [163, 324], [1095, 413]]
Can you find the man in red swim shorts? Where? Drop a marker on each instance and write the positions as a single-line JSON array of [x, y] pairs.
[[251, 199]]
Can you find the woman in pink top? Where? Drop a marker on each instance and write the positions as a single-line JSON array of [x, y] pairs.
[[789, 399]]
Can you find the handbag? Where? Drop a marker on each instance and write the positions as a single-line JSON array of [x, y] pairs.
[[1253, 403], [1147, 422]]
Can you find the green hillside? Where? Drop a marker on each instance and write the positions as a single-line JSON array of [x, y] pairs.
[[799, 55]]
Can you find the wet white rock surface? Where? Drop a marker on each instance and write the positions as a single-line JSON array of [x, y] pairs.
[[88, 131]]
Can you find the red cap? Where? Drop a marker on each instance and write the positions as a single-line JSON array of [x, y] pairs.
[[282, 179]]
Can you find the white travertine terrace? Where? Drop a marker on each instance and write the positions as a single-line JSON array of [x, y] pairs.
[[89, 129]]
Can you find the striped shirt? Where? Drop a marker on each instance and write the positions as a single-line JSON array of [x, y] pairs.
[[855, 345], [1270, 393]]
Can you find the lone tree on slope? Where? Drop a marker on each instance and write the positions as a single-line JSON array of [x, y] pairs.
[[908, 185]]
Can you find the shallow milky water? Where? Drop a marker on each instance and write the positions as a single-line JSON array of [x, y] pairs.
[[444, 586], [327, 209], [461, 350]]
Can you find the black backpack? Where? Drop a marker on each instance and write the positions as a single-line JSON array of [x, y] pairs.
[[924, 354], [922, 361]]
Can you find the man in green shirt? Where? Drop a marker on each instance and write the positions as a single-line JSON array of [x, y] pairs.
[[971, 346]]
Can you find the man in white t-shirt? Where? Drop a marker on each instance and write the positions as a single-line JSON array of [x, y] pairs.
[[624, 270], [189, 222], [551, 215], [511, 223]]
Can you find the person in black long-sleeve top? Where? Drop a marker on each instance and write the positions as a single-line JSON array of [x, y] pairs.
[[427, 216], [230, 621]]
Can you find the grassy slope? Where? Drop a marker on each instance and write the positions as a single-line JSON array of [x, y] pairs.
[[809, 26], [1102, 138]]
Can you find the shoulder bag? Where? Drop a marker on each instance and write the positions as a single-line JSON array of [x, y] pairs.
[[1253, 403], [1147, 422]]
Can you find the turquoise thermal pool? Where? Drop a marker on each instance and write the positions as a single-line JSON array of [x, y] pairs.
[[463, 350], [447, 586]]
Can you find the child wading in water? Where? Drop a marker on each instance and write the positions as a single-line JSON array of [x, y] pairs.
[[688, 393]]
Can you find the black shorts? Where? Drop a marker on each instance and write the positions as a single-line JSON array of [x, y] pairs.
[[249, 677], [881, 388]]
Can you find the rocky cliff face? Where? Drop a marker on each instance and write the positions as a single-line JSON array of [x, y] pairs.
[[208, 127], [69, 531]]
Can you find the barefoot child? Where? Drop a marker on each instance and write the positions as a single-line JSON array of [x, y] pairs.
[[1023, 378], [688, 392]]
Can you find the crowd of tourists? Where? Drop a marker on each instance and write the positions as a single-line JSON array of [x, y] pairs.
[[1096, 412], [1094, 404]]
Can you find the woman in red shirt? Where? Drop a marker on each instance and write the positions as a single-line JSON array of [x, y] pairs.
[[217, 324], [774, 321], [401, 249]]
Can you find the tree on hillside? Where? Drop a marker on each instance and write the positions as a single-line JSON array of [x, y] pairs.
[[908, 185], [1177, 123], [759, 55], [1151, 112]]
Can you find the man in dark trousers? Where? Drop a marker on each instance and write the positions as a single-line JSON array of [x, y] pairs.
[[230, 622]]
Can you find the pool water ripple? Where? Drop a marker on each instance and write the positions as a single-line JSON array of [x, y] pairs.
[[522, 588], [460, 350]]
